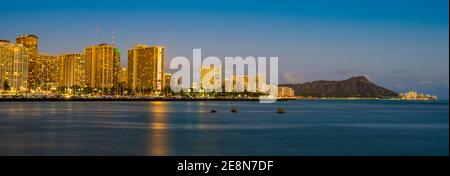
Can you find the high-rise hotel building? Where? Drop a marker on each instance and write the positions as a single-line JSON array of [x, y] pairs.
[[13, 66], [246, 83], [214, 82], [102, 66], [72, 70], [46, 70], [146, 68], [31, 43]]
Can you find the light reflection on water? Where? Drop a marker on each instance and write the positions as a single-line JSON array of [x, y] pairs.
[[158, 142], [187, 128]]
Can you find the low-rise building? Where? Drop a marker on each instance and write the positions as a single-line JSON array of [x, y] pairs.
[[285, 92], [412, 95]]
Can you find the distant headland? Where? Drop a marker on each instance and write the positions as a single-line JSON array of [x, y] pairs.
[[355, 88], [358, 87]]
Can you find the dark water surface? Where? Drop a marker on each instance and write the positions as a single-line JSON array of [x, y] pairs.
[[187, 128]]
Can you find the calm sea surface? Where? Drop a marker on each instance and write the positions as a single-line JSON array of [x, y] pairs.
[[187, 128]]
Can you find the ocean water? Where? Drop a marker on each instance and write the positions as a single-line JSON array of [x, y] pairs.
[[308, 128]]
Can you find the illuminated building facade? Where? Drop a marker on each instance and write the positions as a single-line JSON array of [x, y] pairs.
[[211, 78], [285, 92], [46, 71], [13, 67], [412, 95], [31, 43], [102, 66], [167, 79], [123, 76], [246, 83], [72, 70], [146, 68]]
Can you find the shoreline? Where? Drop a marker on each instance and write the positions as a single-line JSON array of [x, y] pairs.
[[183, 99], [128, 99]]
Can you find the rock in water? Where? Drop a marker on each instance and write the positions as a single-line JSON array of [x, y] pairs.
[[280, 111], [234, 110]]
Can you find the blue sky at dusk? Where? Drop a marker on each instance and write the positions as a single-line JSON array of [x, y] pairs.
[[399, 44]]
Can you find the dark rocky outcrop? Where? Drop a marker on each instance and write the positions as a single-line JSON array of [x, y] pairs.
[[354, 87]]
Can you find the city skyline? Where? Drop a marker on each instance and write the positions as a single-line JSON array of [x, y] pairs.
[[404, 47], [24, 71], [98, 71], [267, 81]]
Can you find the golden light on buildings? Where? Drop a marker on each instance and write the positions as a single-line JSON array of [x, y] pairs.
[[102, 66], [46, 71], [249, 83], [146, 68], [14, 66], [412, 95], [285, 92], [30, 42], [210, 78], [72, 70], [167, 79], [123, 76]]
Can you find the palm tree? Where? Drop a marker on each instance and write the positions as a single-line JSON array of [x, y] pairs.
[[6, 85]]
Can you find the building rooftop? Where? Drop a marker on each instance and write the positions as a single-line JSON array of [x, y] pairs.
[[29, 35], [146, 46]]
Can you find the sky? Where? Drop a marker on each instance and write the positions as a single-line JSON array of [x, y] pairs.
[[399, 44]]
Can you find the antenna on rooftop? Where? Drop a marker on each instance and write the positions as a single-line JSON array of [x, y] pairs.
[[96, 35], [113, 37]]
